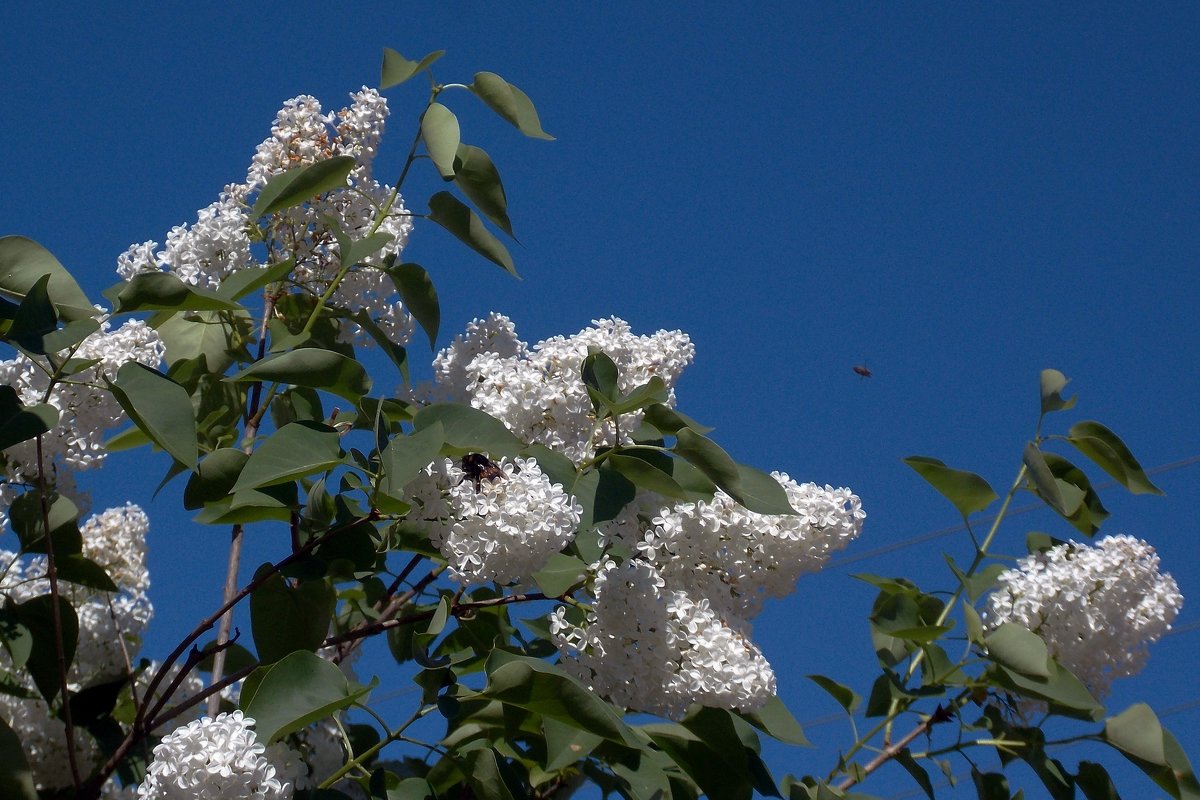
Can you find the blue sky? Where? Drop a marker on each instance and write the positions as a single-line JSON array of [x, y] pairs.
[[956, 196]]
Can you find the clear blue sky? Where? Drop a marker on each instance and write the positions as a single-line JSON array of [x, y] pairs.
[[956, 196]]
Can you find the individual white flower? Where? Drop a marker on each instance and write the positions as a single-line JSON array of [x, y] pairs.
[[539, 393], [214, 758], [1097, 608], [737, 558], [503, 532], [653, 649]]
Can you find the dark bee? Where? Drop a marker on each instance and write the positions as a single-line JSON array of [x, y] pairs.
[[861, 371], [477, 468]]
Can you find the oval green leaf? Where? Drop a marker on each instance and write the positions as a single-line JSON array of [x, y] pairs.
[[452, 214], [439, 130], [416, 291], [314, 368], [966, 490], [468, 429], [286, 619], [162, 291], [1109, 453], [1019, 649], [19, 423], [293, 693], [161, 408], [23, 262], [397, 69], [510, 103], [299, 185], [477, 177], [294, 451], [16, 778], [1053, 382]]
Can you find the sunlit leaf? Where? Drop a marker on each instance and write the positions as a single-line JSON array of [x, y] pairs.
[[397, 69], [245, 280], [161, 408], [294, 451], [23, 262], [1018, 648], [314, 368], [1059, 495], [214, 477], [1053, 382], [777, 721], [163, 291], [846, 697], [510, 103], [405, 456], [293, 693], [469, 429], [439, 130], [286, 618]]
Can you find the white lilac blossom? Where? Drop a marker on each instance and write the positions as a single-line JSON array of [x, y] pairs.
[[647, 647], [219, 242], [1097, 608], [87, 410], [538, 392], [738, 558], [222, 758], [505, 531]]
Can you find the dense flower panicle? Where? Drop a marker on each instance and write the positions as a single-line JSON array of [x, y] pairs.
[[218, 759], [738, 558], [503, 532], [1097, 608], [219, 242], [116, 540], [538, 392], [650, 648], [87, 411]]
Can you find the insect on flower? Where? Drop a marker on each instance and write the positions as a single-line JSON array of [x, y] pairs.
[[477, 468], [861, 371]]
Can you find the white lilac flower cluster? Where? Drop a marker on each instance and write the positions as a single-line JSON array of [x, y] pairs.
[[111, 626], [1097, 608], [219, 757], [505, 531], [647, 647], [538, 391], [219, 242], [87, 411], [706, 567]]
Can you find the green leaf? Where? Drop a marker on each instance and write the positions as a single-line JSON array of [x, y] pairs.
[[419, 297], [566, 744], [1019, 649], [1091, 512], [243, 281], [599, 373], [439, 129], [197, 334], [455, 216], [651, 392], [314, 368], [16, 778], [905, 759], [161, 408], [990, 785], [23, 262], [477, 177], [286, 619], [293, 693], [35, 317], [966, 490], [1059, 495], [214, 478], [510, 103], [484, 776], [668, 420], [397, 69], [36, 614], [294, 451], [1053, 382], [299, 185], [1109, 453], [647, 476], [560, 574], [20, 423], [1065, 693], [85, 572], [26, 519], [543, 689], [754, 489], [162, 291], [405, 456], [468, 429], [777, 721], [1138, 734], [846, 697], [1094, 781]]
